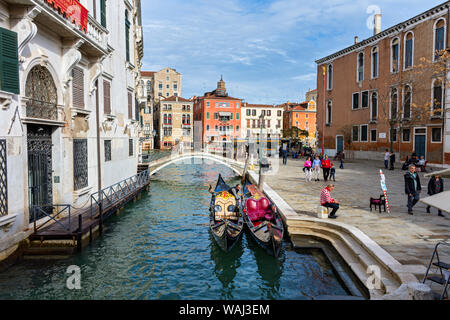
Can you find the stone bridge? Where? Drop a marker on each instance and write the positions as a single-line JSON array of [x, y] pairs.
[[235, 165]]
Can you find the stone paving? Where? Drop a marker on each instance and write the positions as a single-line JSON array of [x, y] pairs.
[[409, 239]]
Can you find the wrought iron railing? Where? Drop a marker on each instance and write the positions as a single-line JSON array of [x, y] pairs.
[[41, 110], [50, 212], [117, 192]]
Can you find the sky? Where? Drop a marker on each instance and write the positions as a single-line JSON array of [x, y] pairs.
[[264, 49]]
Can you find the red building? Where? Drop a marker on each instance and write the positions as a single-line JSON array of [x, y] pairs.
[[220, 116]]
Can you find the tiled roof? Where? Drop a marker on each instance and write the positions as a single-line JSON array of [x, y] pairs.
[[248, 105], [174, 99], [147, 73]]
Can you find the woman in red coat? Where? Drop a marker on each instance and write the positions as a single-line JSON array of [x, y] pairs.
[[326, 166]]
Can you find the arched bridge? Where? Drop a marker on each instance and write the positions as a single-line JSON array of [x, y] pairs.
[[190, 157]]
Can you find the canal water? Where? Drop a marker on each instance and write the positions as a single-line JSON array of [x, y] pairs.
[[160, 248]]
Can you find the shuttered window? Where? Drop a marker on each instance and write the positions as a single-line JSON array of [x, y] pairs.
[[103, 13], [130, 106], [127, 36], [106, 97], [78, 88], [9, 61]]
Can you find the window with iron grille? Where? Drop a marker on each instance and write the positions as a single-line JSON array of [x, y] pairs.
[[130, 147], [78, 88], [106, 97], [80, 163], [107, 150], [3, 180]]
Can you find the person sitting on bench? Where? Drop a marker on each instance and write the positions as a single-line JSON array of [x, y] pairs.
[[328, 202]]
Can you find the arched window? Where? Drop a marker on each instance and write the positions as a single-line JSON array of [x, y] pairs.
[[330, 77], [170, 119], [409, 50], [360, 67], [374, 106], [165, 119], [41, 91], [149, 85], [329, 112], [438, 96], [395, 55], [439, 38], [375, 63], [188, 119], [407, 102], [394, 103]]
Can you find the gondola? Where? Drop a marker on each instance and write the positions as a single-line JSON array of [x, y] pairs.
[[262, 219], [225, 220]]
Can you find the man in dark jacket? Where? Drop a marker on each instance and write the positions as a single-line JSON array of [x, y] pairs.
[[435, 186], [412, 188]]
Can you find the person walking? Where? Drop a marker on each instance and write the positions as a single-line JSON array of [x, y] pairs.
[[341, 158], [307, 169], [386, 159], [285, 153], [326, 166], [333, 173], [435, 186], [316, 168], [412, 188], [327, 201]]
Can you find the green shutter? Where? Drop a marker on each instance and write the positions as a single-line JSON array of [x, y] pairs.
[[9, 61], [127, 39], [103, 13]]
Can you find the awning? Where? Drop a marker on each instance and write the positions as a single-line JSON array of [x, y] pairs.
[[439, 201], [224, 114]]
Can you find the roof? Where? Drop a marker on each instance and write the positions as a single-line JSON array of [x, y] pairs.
[[248, 105], [213, 96], [147, 73], [388, 32], [174, 99]]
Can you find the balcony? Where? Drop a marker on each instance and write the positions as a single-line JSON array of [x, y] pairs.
[[97, 33]]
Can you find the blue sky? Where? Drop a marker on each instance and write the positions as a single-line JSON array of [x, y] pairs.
[[265, 49]]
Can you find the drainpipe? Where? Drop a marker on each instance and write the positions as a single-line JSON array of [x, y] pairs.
[[99, 170]]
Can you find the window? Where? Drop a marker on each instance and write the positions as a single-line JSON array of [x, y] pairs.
[[329, 113], [130, 106], [207, 115], [365, 99], [395, 49], [439, 38], [107, 150], [127, 36], [375, 63], [217, 104], [237, 128], [167, 94], [78, 88], [254, 123], [9, 61], [106, 97], [374, 106], [407, 103], [364, 133], [169, 119], [253, 112], [175, 87], [406, 135], [207, 104], [373, 135], [393, 135], [165, 119], [149, 85], [167, 86], [80, 164], [216, 116], [269, 113], [263, 113], [279, 113], [183, 121], [436, 135], [103, 13], [437, 102], [360, 70], [237, 116], [207, 127], [237, 104], [355, 101], [330, 77], [160, 86], [130, 147], [394, 104], [355, 133], [248, 112], [409, 50], [3, 179]]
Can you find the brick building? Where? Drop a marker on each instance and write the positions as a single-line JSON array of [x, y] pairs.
[[303, 116], [220, 116], [384, 92]]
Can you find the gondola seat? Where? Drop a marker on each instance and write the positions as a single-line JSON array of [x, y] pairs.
[[259, 209]]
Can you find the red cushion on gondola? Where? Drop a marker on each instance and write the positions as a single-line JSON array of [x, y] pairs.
[[259, 209]]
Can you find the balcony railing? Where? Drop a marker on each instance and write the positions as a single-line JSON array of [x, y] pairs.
[[41, 110], [96, 32]]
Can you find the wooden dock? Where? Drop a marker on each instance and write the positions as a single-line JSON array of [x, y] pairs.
[[78, 228]]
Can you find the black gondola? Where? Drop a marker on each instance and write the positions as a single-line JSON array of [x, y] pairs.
[[225, 219], [262, 219]]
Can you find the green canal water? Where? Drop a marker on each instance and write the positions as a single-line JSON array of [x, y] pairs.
[[160, 248]]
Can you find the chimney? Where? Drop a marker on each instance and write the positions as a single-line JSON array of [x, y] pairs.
[[356, 39], [377, 24]]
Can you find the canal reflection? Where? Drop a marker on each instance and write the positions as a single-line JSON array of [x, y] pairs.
[[161, 248]]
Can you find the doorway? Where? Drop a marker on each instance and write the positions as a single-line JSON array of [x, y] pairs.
[[339, 144], [420, 141]]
